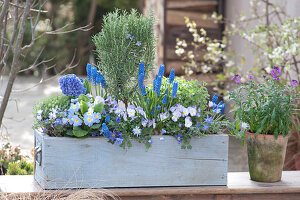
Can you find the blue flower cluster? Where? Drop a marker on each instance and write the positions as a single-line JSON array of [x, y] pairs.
[[141, 78], [218, 108], [172, 76], [158, 80], [94, 76], [71, 85]]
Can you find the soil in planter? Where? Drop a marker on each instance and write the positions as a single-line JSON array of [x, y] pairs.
[[265, 160]]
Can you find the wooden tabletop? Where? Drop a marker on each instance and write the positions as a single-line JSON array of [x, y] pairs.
[[238, 183]]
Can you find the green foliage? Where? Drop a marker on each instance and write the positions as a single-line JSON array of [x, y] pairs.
[[126, 40], [263, 108], [8, 154], [192, 93], [56, 101], [59, 103], [20, 168]]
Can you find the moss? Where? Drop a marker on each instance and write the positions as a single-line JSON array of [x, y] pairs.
[[265, 160]]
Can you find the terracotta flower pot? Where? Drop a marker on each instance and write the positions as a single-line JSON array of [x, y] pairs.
[[265, 156]]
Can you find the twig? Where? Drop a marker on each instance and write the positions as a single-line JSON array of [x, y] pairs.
[[69, 66], [18, 6], [59, 31]]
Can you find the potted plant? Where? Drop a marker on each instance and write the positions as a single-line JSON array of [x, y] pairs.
[[111, 130], [263, 114]]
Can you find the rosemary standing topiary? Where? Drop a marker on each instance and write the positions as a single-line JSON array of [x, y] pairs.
[[126, 40]]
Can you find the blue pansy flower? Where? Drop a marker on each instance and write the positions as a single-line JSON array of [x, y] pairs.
[[208, 119], [89, 120], [205, 127], [119, 141], [118, 119], [74, 107], [179, 138], [76, 121], [112, 136], [57, 122], [97, 117]]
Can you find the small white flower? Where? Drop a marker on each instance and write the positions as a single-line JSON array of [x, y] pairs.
[[217, 110], [137, 131], [52, 115], [188, 122], [39, 112], [210, 104], [244, 125], [39, 117], [98, 99], [192, 111], [131, 113], [118, 110], [185, 112], [144, 123]]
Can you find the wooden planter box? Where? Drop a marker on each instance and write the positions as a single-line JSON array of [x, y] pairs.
[[62, 162]]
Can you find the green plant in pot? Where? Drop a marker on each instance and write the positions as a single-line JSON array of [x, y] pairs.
[[263, 115]]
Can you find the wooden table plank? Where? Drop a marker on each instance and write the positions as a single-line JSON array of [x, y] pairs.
[[239, 185]]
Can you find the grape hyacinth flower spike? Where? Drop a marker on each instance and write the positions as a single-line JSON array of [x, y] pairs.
[[172, 76], [161, 70], [174, 89], [94, 75], [89, 72]]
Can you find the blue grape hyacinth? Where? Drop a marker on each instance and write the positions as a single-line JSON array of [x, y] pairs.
[[94, 75], [70, 84], [174, 89], [172, 76], [89, 72]]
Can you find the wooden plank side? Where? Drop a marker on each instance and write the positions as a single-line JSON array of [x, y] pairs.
[[38, 171], [176, 18], [193, 5], [93, 162]]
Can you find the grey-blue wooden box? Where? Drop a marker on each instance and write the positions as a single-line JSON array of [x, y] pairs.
[[63, 162]]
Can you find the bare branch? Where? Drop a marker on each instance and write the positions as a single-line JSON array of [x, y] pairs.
[[13, 37], [69, 66], [18, 6], [3, 13], [60, 30]]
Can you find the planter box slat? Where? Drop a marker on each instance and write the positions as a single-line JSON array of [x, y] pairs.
[[95, 163]]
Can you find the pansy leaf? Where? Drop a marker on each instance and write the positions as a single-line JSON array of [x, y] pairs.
[[84, 98], [99, 107], [147, 131], [69, 132], [84, 107], [79, 132], [95, 126]]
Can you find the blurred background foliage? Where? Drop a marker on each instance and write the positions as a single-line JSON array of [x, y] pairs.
[[74, 13]]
